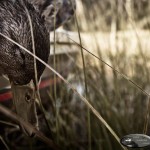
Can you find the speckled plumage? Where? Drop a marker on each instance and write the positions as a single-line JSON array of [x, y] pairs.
[[14, 24], [14, 61]]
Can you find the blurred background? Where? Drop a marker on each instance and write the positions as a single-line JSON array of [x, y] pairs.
[[117, 84]]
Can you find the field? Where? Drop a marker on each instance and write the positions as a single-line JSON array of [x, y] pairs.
[[99, 89]]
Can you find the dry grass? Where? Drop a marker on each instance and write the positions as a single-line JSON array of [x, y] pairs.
[[117, 97]]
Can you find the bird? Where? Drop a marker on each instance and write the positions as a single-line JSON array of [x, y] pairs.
[[17, 64]]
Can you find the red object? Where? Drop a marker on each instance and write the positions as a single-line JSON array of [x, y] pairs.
[[7, 95]]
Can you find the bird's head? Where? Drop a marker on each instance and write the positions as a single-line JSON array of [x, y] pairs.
[[24, 97]]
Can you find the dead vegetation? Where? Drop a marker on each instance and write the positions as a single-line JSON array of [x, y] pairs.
[[117, 82]]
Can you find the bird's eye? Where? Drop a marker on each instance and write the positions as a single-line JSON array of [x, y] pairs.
[[27, 97]]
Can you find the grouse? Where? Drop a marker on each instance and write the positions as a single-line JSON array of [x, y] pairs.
[[17, 64]]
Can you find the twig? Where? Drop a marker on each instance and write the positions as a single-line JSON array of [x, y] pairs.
[[28, 126], [9, 124], [35, 67], [85, 84], [4, 143]]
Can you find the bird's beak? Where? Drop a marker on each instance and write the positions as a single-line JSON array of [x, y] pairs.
[[24, 97]]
